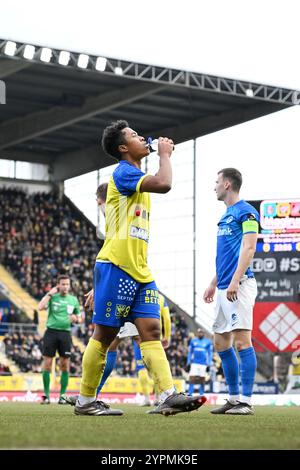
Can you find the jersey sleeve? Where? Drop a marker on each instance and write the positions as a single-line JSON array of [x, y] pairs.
[[128, 179]]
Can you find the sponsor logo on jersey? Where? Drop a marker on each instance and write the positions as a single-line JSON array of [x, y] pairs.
[[138, 232], [224, 231]]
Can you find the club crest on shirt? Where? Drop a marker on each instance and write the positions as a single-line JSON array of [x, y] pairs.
[[122, 310], [230, 219]]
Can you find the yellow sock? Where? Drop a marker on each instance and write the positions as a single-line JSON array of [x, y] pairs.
[[145, 382], [93, 364], [155, 359]]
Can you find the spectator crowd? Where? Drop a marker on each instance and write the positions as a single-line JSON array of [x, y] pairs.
[[4, 369], [26, 351], [42, 236]]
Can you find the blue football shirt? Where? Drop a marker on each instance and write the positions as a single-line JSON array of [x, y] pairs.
[[239, 219], [200, 351]]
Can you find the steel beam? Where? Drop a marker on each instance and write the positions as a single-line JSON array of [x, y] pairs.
[[9, 67], [71, 164], [25, 156], [42, 122]]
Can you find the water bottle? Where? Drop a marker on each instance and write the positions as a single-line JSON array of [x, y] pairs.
[[153, 144]]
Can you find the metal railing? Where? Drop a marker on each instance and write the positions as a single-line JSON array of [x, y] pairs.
[[20, 303], [22, 328]]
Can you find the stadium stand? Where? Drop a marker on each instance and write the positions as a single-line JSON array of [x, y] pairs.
[[41, 236], [25, 350]]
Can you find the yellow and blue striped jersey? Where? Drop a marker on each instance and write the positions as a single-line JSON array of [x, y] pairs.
[[127, 215]]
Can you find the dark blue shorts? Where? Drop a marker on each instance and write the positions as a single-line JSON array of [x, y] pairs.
[[119, 298]]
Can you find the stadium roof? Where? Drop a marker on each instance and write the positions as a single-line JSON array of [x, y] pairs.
[[55, 113]]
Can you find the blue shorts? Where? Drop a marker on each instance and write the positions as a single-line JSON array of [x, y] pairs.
[[119, 298]]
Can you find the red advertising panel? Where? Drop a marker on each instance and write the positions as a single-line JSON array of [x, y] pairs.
[[276, 326]]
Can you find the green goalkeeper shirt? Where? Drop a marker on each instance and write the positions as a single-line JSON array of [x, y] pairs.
[[60, 308]]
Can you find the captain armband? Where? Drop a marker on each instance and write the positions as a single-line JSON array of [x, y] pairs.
[[250, 226]]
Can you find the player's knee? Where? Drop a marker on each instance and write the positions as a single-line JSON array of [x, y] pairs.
[[64, 366], [156, 334], [149, 329], [242, 344], [222, 342], [105, 335], [152, 335], [221, 345], [47, 365]]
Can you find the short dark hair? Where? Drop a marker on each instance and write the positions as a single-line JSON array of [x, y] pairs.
[[113, 137], [101, 192], [234, 176], [63, 276]]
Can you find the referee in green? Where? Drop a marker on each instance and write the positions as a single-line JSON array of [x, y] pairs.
[[63, 310]]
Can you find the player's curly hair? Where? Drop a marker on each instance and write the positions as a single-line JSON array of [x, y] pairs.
[[113, 137]]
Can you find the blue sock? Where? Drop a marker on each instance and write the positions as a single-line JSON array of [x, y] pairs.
[[139, 364], [191, 389], [109, 366], [201, 389], [248, 368], [230, 367]]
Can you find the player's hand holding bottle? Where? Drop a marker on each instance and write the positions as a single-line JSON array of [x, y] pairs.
[[165, 147]]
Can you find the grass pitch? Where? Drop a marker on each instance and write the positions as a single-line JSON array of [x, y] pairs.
[[32, 426]]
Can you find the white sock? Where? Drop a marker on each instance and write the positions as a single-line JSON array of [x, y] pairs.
[[234, 399], [85, 400], [245, 399], [166, 394]]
